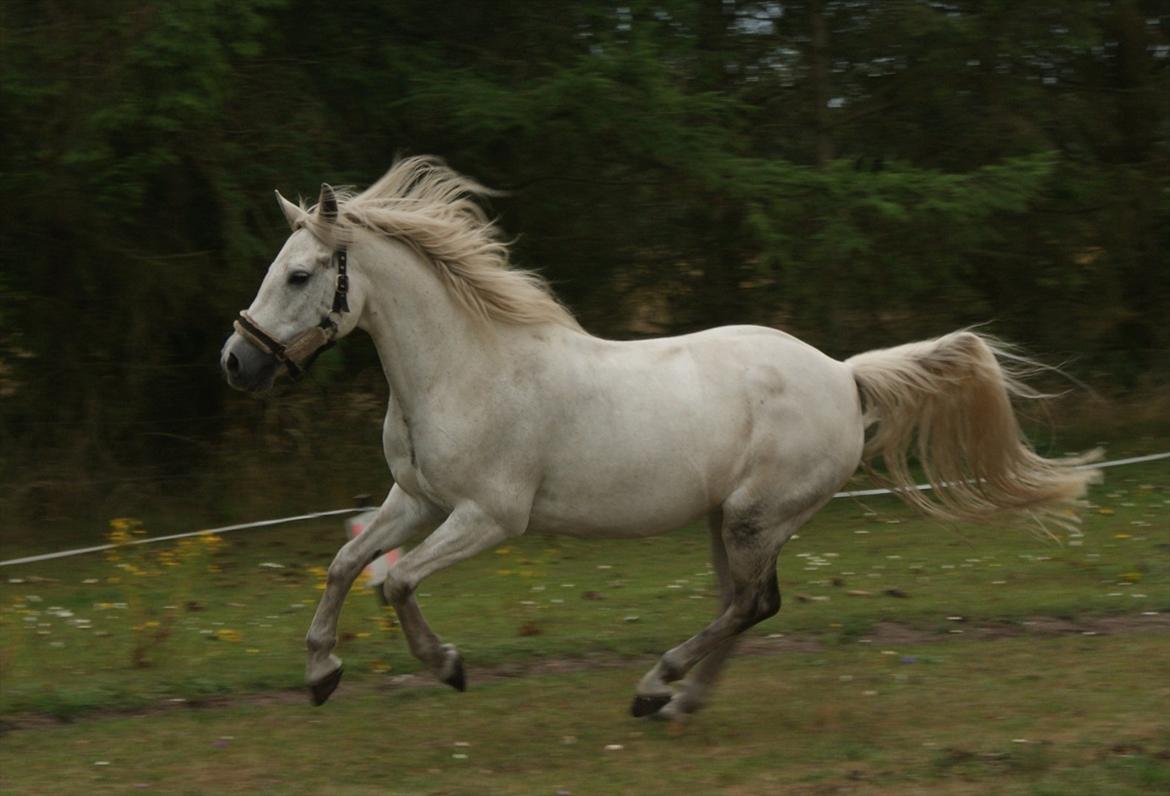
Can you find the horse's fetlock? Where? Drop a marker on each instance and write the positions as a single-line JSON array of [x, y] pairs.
[[669, 669], [317, 643], [340, 568]]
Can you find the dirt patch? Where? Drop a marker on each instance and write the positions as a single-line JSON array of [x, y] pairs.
[[886, 634]]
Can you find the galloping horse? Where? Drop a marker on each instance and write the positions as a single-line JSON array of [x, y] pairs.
[[505, 417]]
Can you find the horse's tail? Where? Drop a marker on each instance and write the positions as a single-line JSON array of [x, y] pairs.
[[950, 399]]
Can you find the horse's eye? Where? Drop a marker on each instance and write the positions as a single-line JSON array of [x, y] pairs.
[[298, 277]]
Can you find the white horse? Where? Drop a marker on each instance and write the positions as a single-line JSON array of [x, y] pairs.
[[505, 417]]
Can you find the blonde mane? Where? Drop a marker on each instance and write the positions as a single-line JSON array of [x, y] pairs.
[[431, 208]]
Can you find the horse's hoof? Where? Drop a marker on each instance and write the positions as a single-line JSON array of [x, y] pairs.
[[648, 705], [451, 672], [319, 692], [458, 678]]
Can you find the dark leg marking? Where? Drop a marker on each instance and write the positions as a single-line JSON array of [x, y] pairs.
[[768, 602], [765, 603], [745, 526]]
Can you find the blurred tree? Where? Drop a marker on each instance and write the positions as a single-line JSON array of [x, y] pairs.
[[860, 172]]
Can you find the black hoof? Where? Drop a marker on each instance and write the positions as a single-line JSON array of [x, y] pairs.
[[319, 692], [457, 679], [647, 705]]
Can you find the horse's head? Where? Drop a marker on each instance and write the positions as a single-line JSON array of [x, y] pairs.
[[302, 305]]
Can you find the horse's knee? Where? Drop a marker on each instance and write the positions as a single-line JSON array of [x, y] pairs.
[[347, 563], [342, 566], [395, 589]]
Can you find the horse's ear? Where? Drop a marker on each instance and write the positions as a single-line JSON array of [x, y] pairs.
[[327, 204], [292, 214]]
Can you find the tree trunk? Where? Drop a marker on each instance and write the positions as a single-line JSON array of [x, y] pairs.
[[819, 63]]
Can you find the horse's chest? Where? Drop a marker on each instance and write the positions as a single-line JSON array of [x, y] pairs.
[[398, 445], [400, 441]]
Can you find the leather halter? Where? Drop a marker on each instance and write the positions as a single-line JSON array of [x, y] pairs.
[[298, 353]]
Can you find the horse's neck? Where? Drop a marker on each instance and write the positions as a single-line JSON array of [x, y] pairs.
[[424, 339]]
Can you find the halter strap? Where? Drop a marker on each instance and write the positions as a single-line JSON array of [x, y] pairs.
[[255, 334], [341, 290]]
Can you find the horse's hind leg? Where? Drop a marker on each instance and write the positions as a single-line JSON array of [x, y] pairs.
[[693, 690], [752, 544]]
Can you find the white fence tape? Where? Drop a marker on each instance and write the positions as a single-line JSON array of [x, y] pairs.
[[1153, 457], [205, 532], [315, 515]]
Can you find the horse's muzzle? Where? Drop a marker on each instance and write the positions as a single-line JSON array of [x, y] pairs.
[[245, 366]]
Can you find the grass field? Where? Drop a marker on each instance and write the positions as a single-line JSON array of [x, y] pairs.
[[85, 638], [1067, 716]]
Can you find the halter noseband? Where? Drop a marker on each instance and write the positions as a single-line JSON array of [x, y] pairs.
[[299, 353]]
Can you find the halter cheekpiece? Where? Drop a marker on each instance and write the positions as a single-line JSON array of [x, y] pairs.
[[299, 353]]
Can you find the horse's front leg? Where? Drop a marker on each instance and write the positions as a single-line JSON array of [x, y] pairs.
[[400, 518], [467, 531]]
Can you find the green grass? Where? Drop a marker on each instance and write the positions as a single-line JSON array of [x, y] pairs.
[[67, 644], [1067, 715]]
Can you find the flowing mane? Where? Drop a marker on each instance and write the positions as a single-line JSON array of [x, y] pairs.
[[423, 203]]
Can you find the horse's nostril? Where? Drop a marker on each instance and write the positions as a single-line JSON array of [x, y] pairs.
[[233, 364]]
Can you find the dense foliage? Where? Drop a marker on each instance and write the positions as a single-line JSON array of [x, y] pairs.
[[860, 172]]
